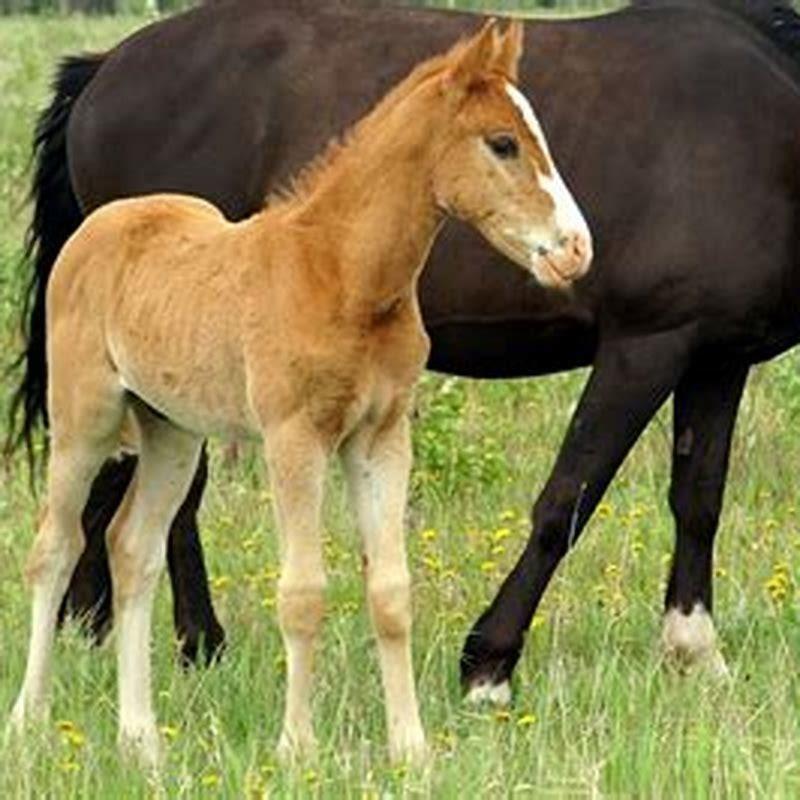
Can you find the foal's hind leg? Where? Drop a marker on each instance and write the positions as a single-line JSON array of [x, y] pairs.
[[137, 550], [84, 432], [706, 404], [377, 465]]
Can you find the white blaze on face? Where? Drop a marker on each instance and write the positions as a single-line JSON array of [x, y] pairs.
[[568, 217]]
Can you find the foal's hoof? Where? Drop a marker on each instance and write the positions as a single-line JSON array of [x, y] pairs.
[[140, 746], [294, 747], [408, 747], [23, 716]]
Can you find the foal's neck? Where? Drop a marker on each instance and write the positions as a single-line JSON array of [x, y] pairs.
[[374, 214]]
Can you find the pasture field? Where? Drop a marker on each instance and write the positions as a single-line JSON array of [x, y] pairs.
[[595, 714]]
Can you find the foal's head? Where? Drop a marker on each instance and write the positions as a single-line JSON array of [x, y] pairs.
[[494, 167]]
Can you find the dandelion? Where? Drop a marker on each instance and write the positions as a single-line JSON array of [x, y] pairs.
[[488, 567], [539, 621], [210, 780], [637, 512], [500, 534], [70, 734], [508, 515], [433, 563], [445, 741], [604, 510], [169, 732], [497, 550], [75, 739], [526, 720], [779, 584], [429, 534], [611, 571], [221, 583]]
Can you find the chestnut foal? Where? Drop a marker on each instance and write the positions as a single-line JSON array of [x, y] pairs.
[[301, 326]]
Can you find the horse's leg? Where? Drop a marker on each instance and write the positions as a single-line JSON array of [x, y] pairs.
[[88, 597], [84, 433], [193, 611], [136, 545], [377, 466], [297, 463], [706, 404], [631, 379]]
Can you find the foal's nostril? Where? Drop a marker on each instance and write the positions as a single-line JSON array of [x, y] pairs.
[[542, 251], [574, 245]]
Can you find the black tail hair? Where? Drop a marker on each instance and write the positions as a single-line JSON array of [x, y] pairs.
[[56, 215]]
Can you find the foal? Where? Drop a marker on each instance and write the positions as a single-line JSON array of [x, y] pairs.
[[301, 326]]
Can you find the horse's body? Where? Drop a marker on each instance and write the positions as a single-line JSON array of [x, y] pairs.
[[678, 127], [300, 326]]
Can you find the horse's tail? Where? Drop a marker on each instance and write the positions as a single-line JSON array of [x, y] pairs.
[[56, 215]]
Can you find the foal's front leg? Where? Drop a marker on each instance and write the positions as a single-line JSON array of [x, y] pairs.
[[297, 461], [377, 465]]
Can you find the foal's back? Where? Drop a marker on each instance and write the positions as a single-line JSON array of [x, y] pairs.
[[161, 274]]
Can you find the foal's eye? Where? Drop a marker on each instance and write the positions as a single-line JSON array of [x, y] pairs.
[[504, 145]]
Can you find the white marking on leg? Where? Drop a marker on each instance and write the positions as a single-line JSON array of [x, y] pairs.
[[138, 734], [297, 462], [137, 550], [488, 693], [377, 467], [689, 640], [55, 552]]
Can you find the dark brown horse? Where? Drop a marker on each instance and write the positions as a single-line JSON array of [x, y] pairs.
[[677, 127]]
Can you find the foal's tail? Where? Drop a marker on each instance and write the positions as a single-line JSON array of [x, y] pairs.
[[56, 215]]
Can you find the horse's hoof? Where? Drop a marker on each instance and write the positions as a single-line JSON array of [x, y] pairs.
[[485, 692], [211, 642], [689, 644]]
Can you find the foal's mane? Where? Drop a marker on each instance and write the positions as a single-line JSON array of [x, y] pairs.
[[302, 185]]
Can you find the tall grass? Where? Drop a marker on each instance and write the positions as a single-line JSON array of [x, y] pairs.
[[595, 714]]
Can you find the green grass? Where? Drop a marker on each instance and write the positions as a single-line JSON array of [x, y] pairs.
[[595, 715]]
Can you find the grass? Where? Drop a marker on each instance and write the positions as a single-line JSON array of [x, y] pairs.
[[594, 714]]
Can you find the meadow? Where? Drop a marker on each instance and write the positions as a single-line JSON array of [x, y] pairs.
[[595, 713]]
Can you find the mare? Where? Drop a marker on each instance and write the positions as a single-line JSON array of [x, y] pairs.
[[299, 326], [677, 125]]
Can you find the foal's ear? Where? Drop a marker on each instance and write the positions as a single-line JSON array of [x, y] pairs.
[[473, 57], [510, 47]]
